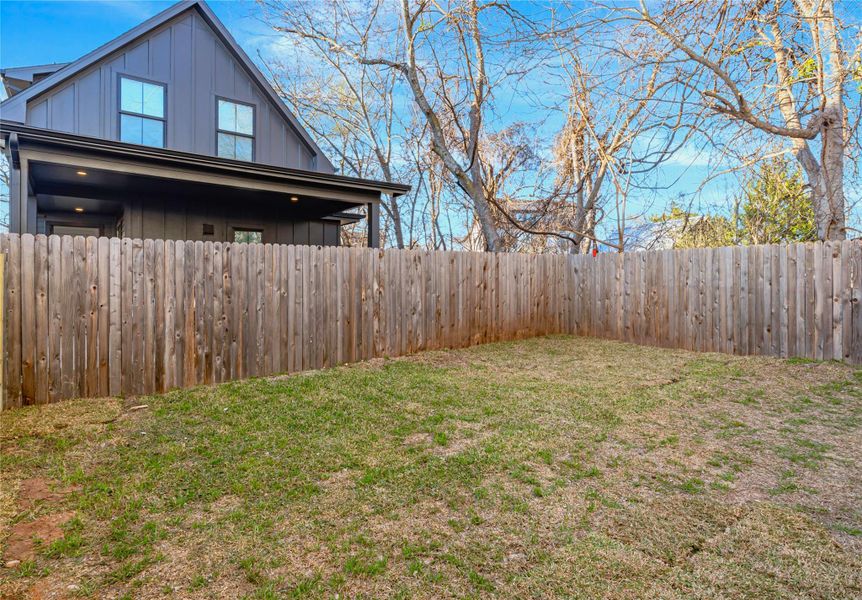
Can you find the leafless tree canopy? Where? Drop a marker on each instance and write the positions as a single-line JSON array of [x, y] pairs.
[[562, 127], [774, 70]]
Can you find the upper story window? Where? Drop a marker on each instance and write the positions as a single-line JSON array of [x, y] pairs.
[[235, 135], [142, 112]]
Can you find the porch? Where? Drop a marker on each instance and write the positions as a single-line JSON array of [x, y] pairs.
[[69, 184]]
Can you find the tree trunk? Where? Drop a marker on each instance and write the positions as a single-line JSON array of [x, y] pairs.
[[483, 209], [829, 208], [589, 225], [828, 194], [396, 222], [826, 178]]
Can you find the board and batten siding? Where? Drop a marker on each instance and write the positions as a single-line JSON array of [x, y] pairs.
[[183, 219], [187, 56], [98, 316]]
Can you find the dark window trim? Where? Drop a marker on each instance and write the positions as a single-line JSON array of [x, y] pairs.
[[121, 112], [50, 224], [252, 137]]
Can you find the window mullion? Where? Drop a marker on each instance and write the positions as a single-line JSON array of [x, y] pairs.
[[141, 120], [238, 144]]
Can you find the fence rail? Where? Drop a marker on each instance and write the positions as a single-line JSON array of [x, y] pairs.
[[98, 316]]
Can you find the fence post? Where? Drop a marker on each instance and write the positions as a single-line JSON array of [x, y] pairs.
[[2, 331]]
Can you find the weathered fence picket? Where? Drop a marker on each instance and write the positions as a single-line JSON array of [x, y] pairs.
[[97, 317]]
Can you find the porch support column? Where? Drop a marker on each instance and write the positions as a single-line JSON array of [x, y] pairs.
[[22, 211], [373, 216], [26, 202]]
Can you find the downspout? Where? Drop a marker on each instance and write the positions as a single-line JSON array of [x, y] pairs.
[[15, 204], [13, 151]]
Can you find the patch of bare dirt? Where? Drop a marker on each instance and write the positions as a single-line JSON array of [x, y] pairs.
[[38, 490], [45, 589], [32, 426], [467, 435], [69, 416], [22, 542], [417, 439], [25, 538], [51, 587], [339, 480]]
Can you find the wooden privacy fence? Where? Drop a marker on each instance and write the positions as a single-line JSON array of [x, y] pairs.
[[800, 300], [98, 316]]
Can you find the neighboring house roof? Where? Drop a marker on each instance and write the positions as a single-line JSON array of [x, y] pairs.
[[18, 79], [15, 107], [644, 234]]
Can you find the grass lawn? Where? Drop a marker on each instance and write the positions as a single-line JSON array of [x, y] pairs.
[[557, 466]]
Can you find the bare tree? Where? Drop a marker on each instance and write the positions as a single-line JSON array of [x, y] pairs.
[[347, 104], [417, 92], [433, 212], [613, 139], [598, 143], [774, 68], [441, 56]]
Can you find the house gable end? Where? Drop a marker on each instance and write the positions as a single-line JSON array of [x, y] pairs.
[[188, 50]]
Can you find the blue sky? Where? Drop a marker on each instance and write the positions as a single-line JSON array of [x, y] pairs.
[[61, 31], [68, 30]]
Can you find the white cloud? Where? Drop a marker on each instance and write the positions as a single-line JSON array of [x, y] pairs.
[[689, 156]]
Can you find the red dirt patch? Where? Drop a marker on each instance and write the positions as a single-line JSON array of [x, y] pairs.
[[21, 544], [37, 490], [46, 589]]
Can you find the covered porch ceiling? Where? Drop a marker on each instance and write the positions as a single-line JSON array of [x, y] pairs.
[[73, 187]]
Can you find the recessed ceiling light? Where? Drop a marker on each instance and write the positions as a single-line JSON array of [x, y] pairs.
[[294, 199], [79, 209], [82, 173]]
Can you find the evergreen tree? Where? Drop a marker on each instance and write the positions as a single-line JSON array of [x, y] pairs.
[[776, 207]]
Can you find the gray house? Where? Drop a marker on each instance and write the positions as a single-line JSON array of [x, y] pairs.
[[170, 131]]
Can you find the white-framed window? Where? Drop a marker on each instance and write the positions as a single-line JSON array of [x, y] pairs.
[[142, 112], [234, 130]]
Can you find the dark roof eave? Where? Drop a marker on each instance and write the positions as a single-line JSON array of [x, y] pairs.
[[188, 159], [344, 217]]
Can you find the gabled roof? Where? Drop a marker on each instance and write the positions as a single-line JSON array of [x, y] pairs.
[[18, 79], [14, 108]]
